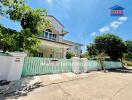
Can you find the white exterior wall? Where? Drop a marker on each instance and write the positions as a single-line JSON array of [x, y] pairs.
[[5, 62], [60, 38], [75, 65], [56, 25]]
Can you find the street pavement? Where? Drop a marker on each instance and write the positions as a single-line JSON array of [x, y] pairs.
[[112, 85]]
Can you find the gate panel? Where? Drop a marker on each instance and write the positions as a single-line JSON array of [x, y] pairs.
[[38, 66], [93, 65], [112, 64]]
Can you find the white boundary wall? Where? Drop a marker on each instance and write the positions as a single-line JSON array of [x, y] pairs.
[[11, 66], [5, 62], [75, 65], [85, 64]]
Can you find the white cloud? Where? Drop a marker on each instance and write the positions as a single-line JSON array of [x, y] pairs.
[[61, 3], [117, 23], [123, 18], [92, 34], [113, 25], [49, 1], [104, 29]]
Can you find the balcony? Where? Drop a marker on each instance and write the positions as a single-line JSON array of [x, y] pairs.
[[49, 36]]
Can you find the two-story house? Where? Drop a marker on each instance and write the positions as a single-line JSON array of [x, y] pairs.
[[53, 44]]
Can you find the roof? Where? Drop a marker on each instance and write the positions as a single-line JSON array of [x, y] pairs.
[[55, 41], [57, 20], [117, 7], [70, 43], [73, 43]]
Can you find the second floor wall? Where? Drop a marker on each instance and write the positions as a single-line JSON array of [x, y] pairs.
[[55, 32], [50, 35]]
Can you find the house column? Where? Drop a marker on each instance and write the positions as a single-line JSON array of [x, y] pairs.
[[64, 50]]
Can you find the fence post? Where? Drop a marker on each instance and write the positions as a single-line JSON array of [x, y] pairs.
[[16, 66], [85, 64], [75, 65]]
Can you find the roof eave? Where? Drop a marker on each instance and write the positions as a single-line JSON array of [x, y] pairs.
[[57, 20]]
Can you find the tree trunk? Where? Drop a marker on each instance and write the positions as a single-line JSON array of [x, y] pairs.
[[102, 66], [4, 49], [122, 62]]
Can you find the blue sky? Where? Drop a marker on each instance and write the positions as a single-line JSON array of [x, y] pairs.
[[91, 17]]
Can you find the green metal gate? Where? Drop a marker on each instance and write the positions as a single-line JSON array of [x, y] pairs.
[[38, 66], [95, 65]]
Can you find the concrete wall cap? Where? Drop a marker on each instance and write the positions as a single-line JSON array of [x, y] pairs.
[[18, 54], [75, 58], [84, 59]]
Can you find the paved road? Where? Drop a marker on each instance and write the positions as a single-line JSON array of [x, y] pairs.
[[96, 86]]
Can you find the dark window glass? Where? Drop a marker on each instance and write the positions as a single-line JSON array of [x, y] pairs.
[[54, 36], [50, 36], [40, 54], [46, 35], [51, 56]]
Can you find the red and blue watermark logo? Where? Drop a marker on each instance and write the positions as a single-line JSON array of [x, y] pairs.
[[117, 10]]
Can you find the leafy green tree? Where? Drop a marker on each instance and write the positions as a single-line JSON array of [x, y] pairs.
[[128, 55], [92, 50], [7, 39], [32, 21], [112, 45], [85, 55], [69, 55]]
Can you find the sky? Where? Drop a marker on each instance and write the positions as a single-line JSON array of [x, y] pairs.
[[89, 17]]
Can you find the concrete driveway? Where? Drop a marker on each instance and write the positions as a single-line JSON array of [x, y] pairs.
[[113, 85]]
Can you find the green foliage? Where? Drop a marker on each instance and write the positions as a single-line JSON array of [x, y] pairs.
[[33, 22], [111, 44], [69, 55], [92, 50], [7, 38], [27, 41], [85, 55], [128, 55]]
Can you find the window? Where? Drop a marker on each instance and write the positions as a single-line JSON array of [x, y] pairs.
[[38, 54], [46, 34], [54, 36], [50, 36], [51, 56]]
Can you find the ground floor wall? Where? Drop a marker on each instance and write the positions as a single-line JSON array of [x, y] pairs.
[[52, 53], [50, 49]]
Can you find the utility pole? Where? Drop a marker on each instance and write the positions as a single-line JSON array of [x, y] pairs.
[[84, 36]]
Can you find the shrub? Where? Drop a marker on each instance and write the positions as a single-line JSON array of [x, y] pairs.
[[69, 55]]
